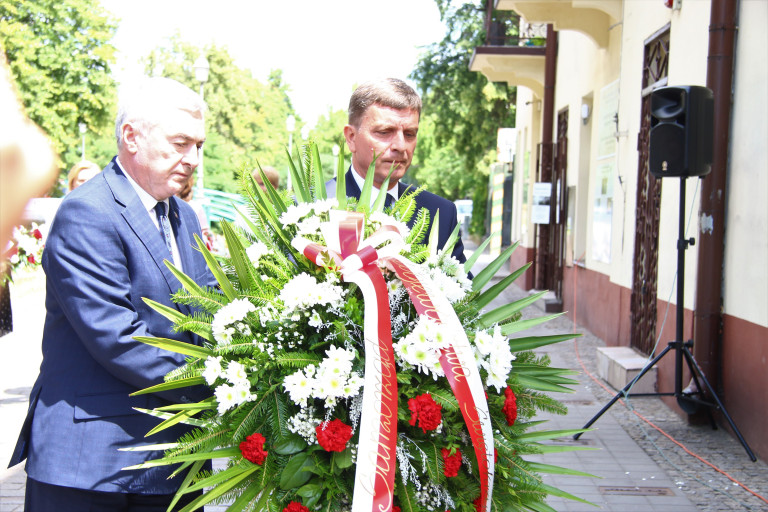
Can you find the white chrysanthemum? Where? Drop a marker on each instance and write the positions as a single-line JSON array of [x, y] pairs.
[[256, 251], [212, 369], [222, 334], [309, 226], [303, 292], [295, 213], [242, 392], [236, 373], [235, 311], [315, 320], [299, 386], [226, 397], [484, 342], [325, 205]]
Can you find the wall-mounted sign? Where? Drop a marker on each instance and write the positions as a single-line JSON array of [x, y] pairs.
[[540, 207]]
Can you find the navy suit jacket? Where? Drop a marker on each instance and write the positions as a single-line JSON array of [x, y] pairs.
[[428, 200], [102, 256]]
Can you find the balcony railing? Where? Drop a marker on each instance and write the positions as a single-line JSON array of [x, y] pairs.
[[506, 28]]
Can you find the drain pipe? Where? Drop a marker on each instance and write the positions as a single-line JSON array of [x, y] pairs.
[[707, 316], [544, 274]]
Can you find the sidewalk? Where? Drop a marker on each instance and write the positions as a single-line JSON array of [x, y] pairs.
[[638, 468]]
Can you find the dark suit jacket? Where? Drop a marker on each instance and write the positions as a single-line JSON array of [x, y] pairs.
[[103, 254], [428, 200]]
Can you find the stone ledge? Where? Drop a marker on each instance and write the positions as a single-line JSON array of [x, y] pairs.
[[619, 365]]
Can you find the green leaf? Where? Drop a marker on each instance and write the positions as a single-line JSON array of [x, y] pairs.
[[167, 415], [317, 168], [476, 255], [543, 435], [219, 490], [218, 273], [522, 325], [174, 384], [290, 445], [533, 342], [166, 461], [180, 347], [237, 256], [433, 234], [554, 491], [504, 312], [544, 385], [244, 499], [179, 417], [311, 493], [485, 275], [556, 470], [341, 182], [172, 314], [491, 293], [299, 187], [295, 472], [343, 459], [186, 482]]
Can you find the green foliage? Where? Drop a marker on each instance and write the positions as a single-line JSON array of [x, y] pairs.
[[462, 112], [329, 131], [59, 55]]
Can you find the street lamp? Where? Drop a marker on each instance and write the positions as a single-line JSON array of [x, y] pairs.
[[290, 125], [201, 68], [83, 129]]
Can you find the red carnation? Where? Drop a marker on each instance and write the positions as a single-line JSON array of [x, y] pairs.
[[253, 448], [395, 509], [452, 463], [295, 506], [31, 258], [333, 435], [424, 409], [37, 234], [510, 406]]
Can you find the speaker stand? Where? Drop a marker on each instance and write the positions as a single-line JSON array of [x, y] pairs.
[[686, 400]]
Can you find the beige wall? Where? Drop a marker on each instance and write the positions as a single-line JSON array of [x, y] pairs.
[[584, 70], [746, 242]]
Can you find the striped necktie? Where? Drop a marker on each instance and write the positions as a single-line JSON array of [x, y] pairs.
[[165, 226]]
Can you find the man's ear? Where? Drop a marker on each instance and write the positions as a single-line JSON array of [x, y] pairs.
[[349, 135], [129, 136]]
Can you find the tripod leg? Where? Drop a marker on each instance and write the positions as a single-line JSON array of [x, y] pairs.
[[694, 366], [626, 388]]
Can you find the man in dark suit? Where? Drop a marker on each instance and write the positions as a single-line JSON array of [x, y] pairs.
[[384, 121], [104, 253]]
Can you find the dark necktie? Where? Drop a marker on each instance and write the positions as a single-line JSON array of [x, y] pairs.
[[165, 226], [389, 201]]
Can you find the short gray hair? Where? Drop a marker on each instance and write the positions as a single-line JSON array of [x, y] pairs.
[[141, 101], [387, 92]]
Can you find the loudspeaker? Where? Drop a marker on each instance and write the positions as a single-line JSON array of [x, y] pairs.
[[681, 131]]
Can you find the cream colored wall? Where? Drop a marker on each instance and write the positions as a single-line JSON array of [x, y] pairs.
[[746, 242], [584, 69], [528, 121]]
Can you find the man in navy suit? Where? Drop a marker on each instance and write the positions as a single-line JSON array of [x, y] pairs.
[[104, 254], [384, 121]]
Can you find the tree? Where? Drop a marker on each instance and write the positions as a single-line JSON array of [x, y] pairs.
[[59, 55], [327, 133], [462, 111], [246, 118]]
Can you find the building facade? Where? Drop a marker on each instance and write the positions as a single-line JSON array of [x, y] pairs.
[[610, 249]]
